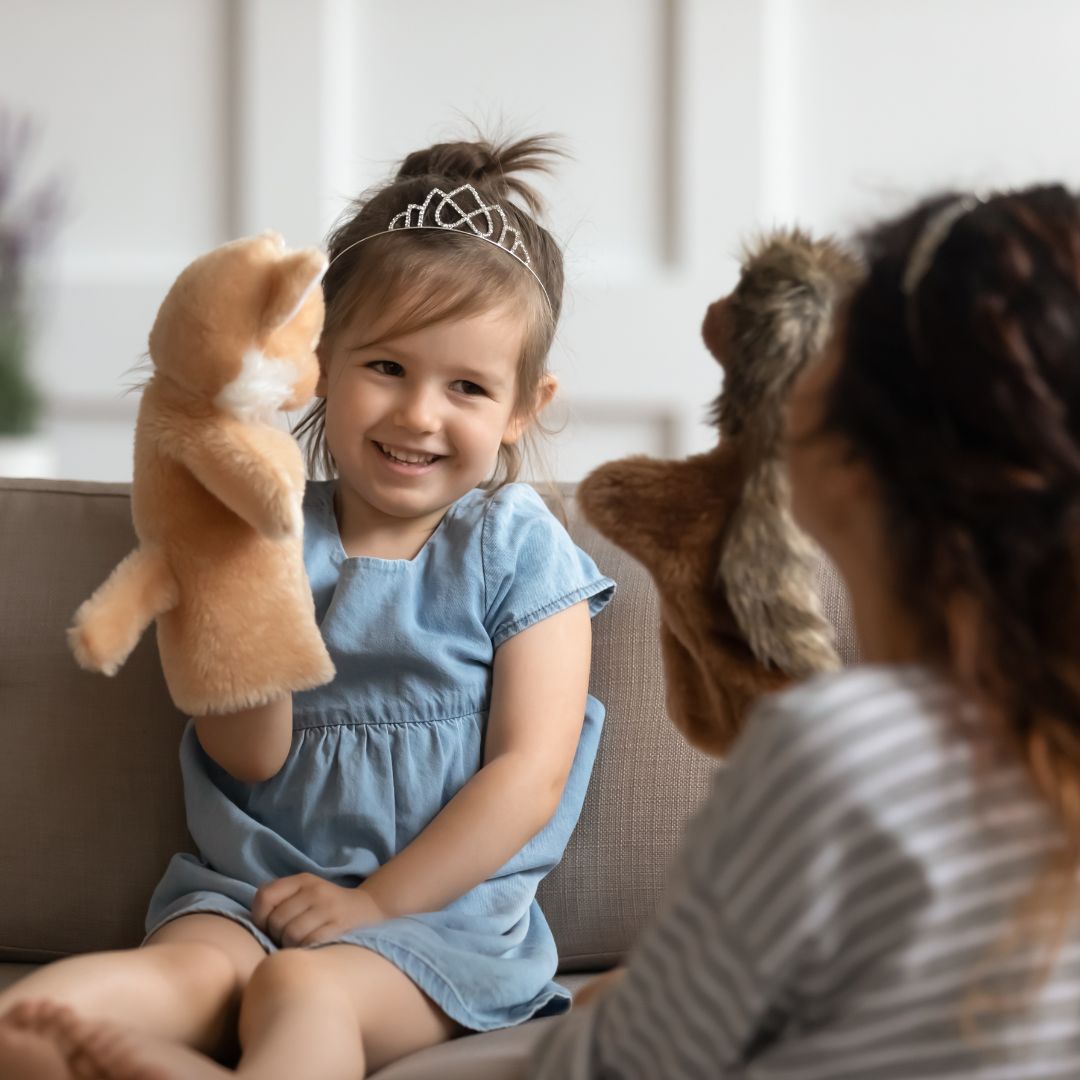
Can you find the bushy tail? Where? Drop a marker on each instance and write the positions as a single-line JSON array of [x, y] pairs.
[[108, 625], [767, 572]]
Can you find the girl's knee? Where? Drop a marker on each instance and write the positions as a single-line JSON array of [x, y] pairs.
[[200, 961], [286, 970], [209, 943]]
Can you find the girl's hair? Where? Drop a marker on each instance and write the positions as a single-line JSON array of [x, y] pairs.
[[425, 276], [962, 395]]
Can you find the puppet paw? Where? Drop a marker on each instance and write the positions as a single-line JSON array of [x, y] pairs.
[[92, 652], [286, 512]]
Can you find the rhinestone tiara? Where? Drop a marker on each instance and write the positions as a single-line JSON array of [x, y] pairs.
[[487, 222]]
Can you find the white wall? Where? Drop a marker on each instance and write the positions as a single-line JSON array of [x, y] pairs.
[[882, 101], [178, 124]]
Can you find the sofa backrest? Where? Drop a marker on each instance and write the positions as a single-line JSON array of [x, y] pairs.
[[91, 806]]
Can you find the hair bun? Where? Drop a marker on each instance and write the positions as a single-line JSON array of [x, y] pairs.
[[456, 160], [486, 163]]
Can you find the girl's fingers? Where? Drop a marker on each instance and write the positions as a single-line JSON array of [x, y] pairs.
[[286, 913], [270, 896], [324, 932]]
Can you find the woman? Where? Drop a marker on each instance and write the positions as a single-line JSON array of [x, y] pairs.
[[882, 882]]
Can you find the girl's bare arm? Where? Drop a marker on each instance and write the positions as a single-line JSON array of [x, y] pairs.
[[540, 684], [250, 745]]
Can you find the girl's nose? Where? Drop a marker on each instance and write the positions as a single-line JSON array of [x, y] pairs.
[[417, 412]]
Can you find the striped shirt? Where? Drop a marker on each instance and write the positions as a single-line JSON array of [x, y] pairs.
[[846, 887]]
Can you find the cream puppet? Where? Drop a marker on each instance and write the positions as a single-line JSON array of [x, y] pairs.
[[216, 494]]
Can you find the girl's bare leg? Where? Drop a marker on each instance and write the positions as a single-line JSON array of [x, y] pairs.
[[183, 986], [336, 1013], [342, 1007]]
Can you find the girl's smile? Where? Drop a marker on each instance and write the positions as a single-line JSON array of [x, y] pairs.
[[416, 421], [409, 457], [406, 462]]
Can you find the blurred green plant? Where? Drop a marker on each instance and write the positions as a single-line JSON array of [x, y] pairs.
[[27, 222]]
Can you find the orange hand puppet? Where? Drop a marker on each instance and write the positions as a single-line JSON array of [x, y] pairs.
[[217, 488]]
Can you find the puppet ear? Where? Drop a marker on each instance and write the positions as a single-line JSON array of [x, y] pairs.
[[718, 329], [293, 279]]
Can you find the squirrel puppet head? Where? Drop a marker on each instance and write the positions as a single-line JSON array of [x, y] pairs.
[[715, 530]]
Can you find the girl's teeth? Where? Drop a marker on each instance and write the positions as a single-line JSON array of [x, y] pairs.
[[405, 458]]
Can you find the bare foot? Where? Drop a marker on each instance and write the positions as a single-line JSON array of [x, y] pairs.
[[36, 1042], [115, 1053]]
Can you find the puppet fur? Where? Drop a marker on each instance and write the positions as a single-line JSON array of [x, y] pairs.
[[217, 489], [740, 615]]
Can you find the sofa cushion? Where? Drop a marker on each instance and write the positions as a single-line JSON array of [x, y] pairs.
[[89, 795], [90, 800]]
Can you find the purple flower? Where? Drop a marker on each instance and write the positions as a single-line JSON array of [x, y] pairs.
[[28, 220]]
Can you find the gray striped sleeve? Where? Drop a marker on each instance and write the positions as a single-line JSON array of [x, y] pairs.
[[692, 998], [834, 898]]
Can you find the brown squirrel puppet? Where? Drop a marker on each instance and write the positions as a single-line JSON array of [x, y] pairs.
[[740, 614]]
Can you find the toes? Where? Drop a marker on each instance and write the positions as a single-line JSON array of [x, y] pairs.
[[123, 1055], [97, 1049], [42, 1016], [85, 1061], [24, 1014], [110, 1053], [47, 1039], [67, 1024], [25, 1053]]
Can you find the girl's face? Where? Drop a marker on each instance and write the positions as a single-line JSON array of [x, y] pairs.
[[416, 421]]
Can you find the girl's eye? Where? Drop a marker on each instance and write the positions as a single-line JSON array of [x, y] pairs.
[[386, 367], [470, 389]]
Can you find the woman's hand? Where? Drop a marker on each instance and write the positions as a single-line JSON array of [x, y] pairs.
[[306, 910], [598, 987]]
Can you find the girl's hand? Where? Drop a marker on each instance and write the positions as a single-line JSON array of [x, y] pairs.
[[306, 910]]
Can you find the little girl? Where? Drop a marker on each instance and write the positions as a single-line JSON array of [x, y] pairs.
[[884, 880], [369, 851]]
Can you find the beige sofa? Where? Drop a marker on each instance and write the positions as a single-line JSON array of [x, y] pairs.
[[90, 799]]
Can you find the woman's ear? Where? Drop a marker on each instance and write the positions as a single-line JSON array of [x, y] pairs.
[[523, 419]]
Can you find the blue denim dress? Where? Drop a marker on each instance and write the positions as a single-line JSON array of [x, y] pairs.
[[379, 751]]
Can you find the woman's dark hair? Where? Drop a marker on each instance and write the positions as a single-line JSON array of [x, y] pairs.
[[426, 276], [962, 395]]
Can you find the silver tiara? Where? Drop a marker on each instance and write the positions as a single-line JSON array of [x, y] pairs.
[[483, 222], [933, 235]]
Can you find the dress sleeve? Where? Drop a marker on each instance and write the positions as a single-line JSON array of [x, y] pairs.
[[532, 569]]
